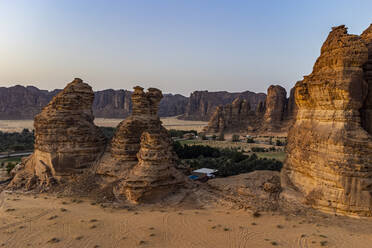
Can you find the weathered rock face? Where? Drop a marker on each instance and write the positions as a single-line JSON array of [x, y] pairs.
[[366, 111], [155, 175], [66, 140], [140, 161], [275, 114], [112, 103], [276, 102], [235, 117], [18, 103], [202, 104], [329, 152]]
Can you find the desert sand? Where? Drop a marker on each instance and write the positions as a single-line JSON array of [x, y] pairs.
[[168, 123], [43, 220]]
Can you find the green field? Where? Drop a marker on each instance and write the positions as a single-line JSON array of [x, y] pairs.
[[242, 146]]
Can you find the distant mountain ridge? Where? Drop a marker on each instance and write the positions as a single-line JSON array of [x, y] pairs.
[[22, 103]]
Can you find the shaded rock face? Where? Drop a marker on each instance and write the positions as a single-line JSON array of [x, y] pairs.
[[275, 114], [112, 103], [238, 117], [329, 151], [66, 139], [366, 110], [202, 104], [18, 103], [140, 162]]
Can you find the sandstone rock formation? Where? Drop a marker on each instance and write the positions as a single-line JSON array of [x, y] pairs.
[[112, 103], [140, 160], [276, 102], [275, 114], [66, 140], [202, 104], [329, 149], [155, 174], [19, 103], [235, 117]]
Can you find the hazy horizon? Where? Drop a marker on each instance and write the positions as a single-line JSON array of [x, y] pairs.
[[178, 47]]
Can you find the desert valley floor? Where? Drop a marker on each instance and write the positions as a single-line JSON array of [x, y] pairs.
[[28, 220]]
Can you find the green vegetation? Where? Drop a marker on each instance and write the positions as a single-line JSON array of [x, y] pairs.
[[221, 137], [235, 138], [227, 161], [108, 132], [250, 140], [179, 133], [22, 141]]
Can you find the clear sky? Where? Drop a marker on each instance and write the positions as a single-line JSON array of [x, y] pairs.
[[177, 46]]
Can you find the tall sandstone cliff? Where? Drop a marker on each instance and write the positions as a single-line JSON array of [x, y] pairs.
[[274, 114], [18, 103], [330, 145], [202, 104]]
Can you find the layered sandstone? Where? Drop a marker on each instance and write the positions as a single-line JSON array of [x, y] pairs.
[[66, 140], [140, 160], [155, 175], [329, 149]]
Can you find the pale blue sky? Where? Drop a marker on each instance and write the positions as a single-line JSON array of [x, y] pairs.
[[177, 46]]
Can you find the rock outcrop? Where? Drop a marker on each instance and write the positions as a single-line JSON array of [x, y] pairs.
[[329, 148], [276, 102], [235, 117], [66, 140], [23, 103], [140, 160], [275, 114], [202, 104]]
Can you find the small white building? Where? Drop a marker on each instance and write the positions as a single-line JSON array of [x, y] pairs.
[[204, 172]]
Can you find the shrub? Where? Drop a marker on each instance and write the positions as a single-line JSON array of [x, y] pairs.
[[179, 133], [235, 138], [221, 137], [250, 140], [10, 167], [258, 149]]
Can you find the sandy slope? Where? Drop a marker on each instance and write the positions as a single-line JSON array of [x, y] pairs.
[[33, 221]]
